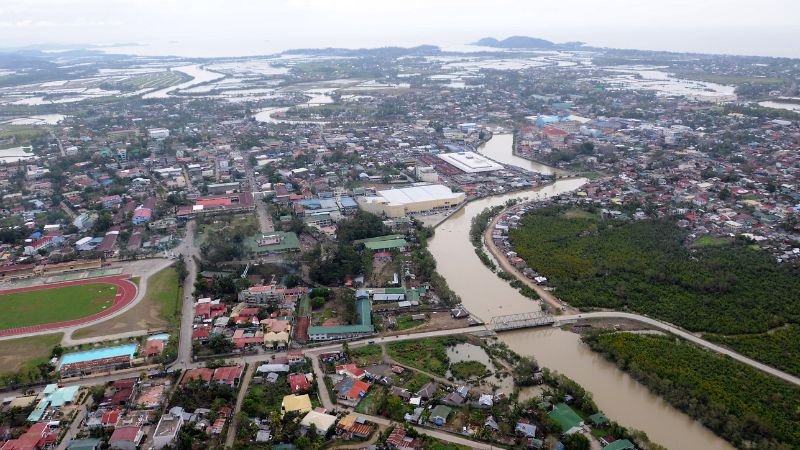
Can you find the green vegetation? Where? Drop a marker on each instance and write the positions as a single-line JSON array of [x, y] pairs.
[[163, 293], [778, 348], [476, 230], [261, 399], [428, 355], [464, 370], [55, 305], [710, 241], [405, 322], [368, 354], [643, 266], [25, 360], [745, 406], [374, 402], [343, 261]]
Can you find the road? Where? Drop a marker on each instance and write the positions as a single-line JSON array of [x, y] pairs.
[[669, 328], [264, 220], [243, 385], [547, 296], [80, 414], [189, 250]]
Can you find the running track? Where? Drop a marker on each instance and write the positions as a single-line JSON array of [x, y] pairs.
[[126, 293]]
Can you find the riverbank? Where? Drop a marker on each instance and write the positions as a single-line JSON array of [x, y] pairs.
[[556, 305]]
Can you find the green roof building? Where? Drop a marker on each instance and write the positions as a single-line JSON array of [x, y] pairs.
[[566, 418], [622, 444]]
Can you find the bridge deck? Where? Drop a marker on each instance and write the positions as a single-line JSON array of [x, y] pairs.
[[524, 320]]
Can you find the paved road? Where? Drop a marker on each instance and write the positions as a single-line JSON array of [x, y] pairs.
[[73, 428], [547, 296], [243, 385], [188, 249], [264, 219], [669, 328]]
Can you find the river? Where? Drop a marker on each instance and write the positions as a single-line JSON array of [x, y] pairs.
[[199, 75], [485, 295]]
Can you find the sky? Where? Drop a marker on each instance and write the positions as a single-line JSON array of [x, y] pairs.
[[246, 27]]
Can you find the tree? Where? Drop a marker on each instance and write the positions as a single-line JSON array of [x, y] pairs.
[[219, 343], [576, 441], [724, 194]]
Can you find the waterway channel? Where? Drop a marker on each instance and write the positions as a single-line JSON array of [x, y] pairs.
[[485, 295]]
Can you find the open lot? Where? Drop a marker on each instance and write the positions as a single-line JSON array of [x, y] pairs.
[[157, 309], [42, 306], [25, 353]]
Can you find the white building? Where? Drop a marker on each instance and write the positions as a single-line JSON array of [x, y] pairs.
[[158, 133], [470, 162], [399, 202], [167, 430]]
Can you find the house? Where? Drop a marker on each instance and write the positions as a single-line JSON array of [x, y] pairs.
[[295, 357], [351, 370], [354, 426], [525, 429], [167, 430], [439, 414], [569, 421], [486, 401], [491, 424], [323, 422], [154, 348], [398, 439], [40, 435], [126, 438], [84, 444], [353, 395], [142, 216], [273, 368], [622, 444], [427, 391], [202, 374], [298, 383], [230, 375], [296, 403]]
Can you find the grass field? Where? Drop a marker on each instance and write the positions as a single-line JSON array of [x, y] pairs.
[[424, 354], [158, 309], [55, 305], [25, 353]]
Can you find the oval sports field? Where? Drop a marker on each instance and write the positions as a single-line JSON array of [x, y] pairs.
[[124, 296]]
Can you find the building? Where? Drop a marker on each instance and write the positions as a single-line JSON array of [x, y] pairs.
[[330, 333], [296, 403], [142, 216], [400, 202], [223, 188], [272, 243], [323, 422], [158, 133], [470, 162], [219, 204], [167, 430], [97, 360], [126, 438]]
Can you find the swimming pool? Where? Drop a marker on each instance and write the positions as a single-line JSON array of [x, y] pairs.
[[158, 337], [98, 353]]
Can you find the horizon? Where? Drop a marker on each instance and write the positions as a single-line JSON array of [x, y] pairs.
[[174, 28]]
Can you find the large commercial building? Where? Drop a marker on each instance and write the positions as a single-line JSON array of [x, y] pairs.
[[470, 162], [399, 202]]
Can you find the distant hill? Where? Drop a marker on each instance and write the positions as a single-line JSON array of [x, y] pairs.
[[517, 42]]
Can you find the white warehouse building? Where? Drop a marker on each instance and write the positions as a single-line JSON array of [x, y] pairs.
[[470, 162], [415, 199]]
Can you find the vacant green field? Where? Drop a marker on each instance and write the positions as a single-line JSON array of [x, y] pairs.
[[429, 355], [54, 305], [24, 354]]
